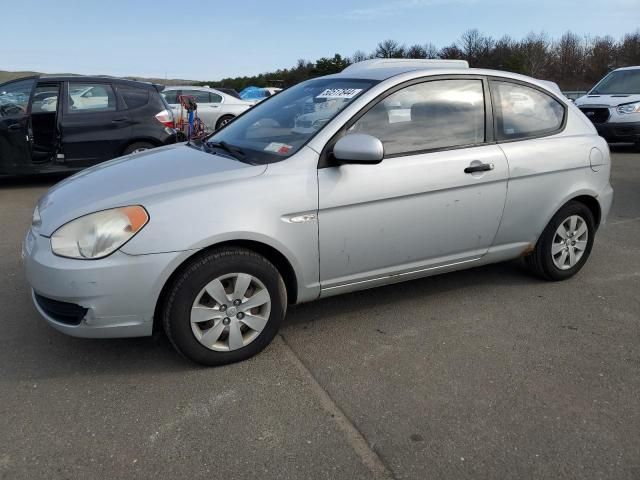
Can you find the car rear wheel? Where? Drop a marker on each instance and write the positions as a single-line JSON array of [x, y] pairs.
[[222, 121], [225, 306], [137, 147], [565, 244]]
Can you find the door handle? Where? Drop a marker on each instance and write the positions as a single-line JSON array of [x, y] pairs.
[[14, 126], [120, 120], [481, 167]]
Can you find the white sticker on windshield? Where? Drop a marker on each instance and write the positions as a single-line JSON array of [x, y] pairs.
[[340, 93], [276, 147]]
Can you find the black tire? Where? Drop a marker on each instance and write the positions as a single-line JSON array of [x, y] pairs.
[[179, 299], [137, 146], [223, 120], [541, 260]]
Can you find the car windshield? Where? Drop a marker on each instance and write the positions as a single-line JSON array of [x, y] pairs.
[[277, 128], [619, 83]]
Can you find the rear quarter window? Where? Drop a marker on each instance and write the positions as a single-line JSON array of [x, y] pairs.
[[524, 112], [134, 97]]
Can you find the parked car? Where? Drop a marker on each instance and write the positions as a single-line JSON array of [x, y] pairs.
[[212, 241], [613, 106], [215, 108], [257, 94], [98, 119]]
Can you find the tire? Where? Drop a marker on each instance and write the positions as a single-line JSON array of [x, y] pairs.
[[556, 267], [188, 296], [137, 147], [223, 120]]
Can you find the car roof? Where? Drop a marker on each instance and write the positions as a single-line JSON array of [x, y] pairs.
[[410, 69], [190, 87], [633, 67], [89, 78]]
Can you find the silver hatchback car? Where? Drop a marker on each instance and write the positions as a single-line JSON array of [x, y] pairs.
[[404, 169]]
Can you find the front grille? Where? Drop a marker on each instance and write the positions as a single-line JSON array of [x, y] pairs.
[[63, 312], [596, 114]]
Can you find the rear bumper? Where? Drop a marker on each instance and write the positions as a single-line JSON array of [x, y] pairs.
[[605, 199], [619, 132]]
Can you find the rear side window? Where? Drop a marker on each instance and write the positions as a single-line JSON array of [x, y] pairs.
[[171, 96], [427, 116], [134, 97], [523, 112], [198, 95], [215, 98], [90, 98]]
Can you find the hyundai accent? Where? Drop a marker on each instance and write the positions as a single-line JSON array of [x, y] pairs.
[[417, 168]]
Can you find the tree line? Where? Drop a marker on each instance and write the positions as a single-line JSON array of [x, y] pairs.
[[574, 62]]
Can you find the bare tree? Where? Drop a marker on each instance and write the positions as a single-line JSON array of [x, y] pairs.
[[389, 49], [475, 47], [431, 50], [415, 51], [535, 51], [359, 56], [452, 52], [629, 51]]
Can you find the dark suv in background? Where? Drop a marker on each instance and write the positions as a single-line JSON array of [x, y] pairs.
[[56, 123]]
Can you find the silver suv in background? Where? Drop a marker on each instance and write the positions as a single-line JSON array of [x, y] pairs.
[[613, 106], [215, 108], [211, 241]]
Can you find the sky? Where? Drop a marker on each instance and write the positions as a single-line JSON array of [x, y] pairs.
[[217, 39]]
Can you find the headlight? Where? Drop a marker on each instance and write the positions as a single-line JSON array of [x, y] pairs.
[[629, 108], [98, 234]]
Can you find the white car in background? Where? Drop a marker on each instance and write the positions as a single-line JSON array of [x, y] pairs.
[[215, 108], [613, 106]]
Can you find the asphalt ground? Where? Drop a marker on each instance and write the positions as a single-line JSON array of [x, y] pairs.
[[486, 373]]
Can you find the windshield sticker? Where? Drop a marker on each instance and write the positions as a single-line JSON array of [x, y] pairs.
[[340, 93], [276, 147]]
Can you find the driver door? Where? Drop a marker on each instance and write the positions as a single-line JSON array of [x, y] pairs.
[[15, 126], [422, 208]]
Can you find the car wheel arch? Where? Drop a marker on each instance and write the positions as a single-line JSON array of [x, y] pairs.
[[152, 141], [277, 258], [588, 198]]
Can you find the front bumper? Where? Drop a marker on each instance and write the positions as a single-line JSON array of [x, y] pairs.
[[119, 292], [619, 132]]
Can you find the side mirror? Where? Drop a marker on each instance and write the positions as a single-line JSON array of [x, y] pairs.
[[358, 148]]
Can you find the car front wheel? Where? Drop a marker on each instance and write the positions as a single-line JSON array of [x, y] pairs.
[[224, 306], [565, 244]]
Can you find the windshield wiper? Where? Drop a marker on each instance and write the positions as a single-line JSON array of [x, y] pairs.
[[235, 152]]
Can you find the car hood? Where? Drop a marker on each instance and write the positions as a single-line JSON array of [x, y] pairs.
[[606, 100], [136, 179]]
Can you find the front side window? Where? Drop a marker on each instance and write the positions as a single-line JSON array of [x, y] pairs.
[[523, 112], [45, 99], [90, 98], [278, 127], [14, 98], [425, 116]]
